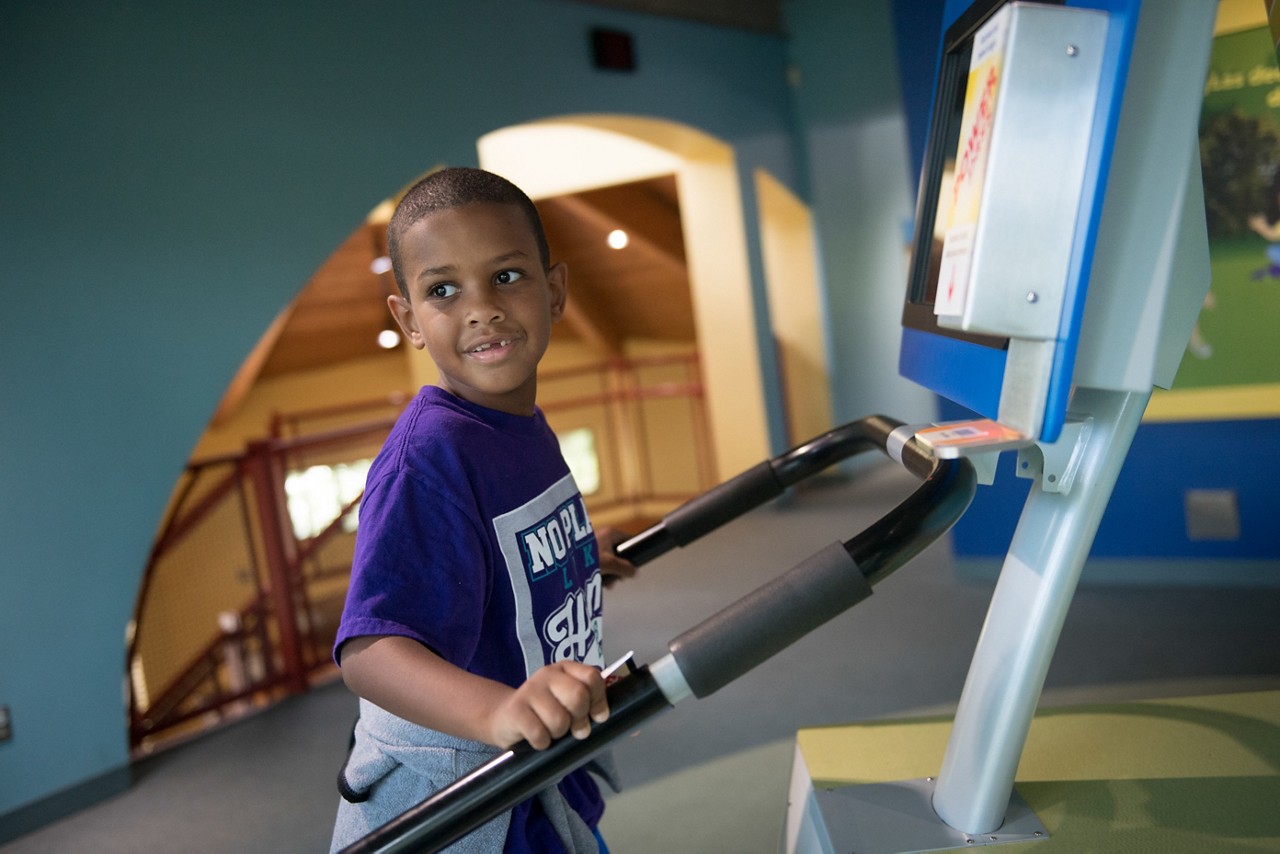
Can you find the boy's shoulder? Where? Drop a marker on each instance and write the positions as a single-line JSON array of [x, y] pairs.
[[428, 428], [438, 430]]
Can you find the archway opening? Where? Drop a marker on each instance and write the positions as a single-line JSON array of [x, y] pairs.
[[241, 597], [573, 154]]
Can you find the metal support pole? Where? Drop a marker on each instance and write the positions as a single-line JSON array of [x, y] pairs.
[[1025, 618]]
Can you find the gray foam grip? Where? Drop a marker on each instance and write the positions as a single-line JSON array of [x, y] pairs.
[[764, 622]]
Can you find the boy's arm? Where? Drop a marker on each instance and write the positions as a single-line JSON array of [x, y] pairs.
[[410, 681]]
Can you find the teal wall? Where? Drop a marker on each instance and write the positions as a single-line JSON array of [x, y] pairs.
[[858, 162]]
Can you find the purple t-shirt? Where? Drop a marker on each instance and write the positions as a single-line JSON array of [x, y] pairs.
[[473, 540]]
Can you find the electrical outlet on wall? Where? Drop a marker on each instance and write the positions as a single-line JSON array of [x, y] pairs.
[[1212, 514]]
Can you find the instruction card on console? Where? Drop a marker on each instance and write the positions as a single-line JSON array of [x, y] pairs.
[[976, 122]]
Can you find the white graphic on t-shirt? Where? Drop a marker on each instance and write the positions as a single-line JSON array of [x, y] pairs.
[[545, 539], [573, 629], [546, 546]]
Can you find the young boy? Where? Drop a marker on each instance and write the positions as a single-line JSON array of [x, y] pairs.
[[473, 619]]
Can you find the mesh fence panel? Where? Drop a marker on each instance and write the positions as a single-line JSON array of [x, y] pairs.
[[206, 569]]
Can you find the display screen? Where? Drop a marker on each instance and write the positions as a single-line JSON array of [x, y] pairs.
[[933, 206], [933, 217]]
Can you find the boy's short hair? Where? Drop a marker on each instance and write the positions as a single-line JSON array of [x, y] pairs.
[[452, 188]]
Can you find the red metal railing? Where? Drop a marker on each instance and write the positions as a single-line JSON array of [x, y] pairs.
[[234, 611]]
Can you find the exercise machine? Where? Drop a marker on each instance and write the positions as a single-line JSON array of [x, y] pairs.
[[1059, 265]]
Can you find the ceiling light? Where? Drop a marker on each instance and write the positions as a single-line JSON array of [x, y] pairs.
[[617, 239], [380, 265], [388, 339]]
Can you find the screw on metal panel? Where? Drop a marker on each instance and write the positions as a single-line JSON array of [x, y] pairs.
[[1032, 296], [1072, 50]]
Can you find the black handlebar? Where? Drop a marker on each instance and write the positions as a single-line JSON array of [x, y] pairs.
[[762, 483], [728, 644]]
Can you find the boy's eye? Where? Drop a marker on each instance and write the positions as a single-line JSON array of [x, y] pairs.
[[442, 290], [507, 277]]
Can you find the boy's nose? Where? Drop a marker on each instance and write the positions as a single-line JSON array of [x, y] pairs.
[[484, 309]]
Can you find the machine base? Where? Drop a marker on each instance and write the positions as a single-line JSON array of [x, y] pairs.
[[1180, 774], [878, 818]]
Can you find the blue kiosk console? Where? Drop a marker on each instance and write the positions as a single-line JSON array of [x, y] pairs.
[[1060, 263]]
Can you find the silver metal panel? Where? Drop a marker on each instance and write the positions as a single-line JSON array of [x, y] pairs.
[[1026, 384], [1151, 236], [805, 830], [1042, 124]]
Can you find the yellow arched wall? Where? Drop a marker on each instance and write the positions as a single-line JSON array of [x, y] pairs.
[[575, 153], [795, 308]]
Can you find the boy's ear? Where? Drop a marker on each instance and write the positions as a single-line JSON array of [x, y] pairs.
[[558, 278], [402, 311]]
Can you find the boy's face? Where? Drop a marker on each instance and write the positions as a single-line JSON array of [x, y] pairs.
[[480, 302]]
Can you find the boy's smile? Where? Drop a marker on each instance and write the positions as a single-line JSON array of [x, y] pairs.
[[480, 302]]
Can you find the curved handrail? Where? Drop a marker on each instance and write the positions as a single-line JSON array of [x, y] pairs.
[[757, 485], [726, 645]]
